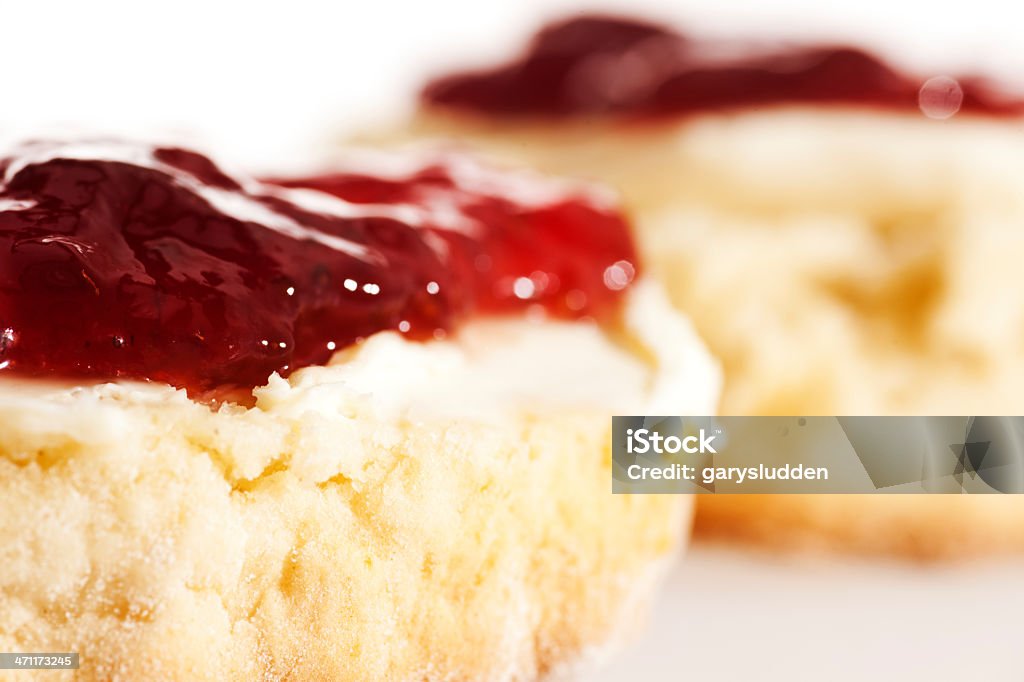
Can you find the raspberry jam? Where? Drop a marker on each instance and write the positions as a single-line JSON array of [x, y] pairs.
[[121, 261], [604, 65]]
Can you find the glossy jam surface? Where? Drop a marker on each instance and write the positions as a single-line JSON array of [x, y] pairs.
[[596, 65], [120, 261]]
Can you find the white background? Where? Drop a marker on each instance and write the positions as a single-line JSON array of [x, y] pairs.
[[265, 84]]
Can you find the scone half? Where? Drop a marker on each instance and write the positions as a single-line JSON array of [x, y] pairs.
[[410, 509]]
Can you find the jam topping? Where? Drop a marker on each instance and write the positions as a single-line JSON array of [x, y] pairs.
[[121, 261], [596, 65]]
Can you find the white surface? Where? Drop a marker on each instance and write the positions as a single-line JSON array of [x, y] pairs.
[[730, 615]]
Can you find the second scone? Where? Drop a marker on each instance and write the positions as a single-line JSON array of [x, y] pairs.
[[844, 234]]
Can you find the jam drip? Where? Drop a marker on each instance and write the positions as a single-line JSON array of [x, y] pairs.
[[605, 65], [119, 261]]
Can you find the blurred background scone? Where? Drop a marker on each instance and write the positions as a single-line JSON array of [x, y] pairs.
[[425, 496], [845, 235]]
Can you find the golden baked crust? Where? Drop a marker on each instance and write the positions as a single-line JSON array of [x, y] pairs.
[[925, 527], [163, 540]]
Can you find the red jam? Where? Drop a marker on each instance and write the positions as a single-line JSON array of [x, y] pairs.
[[120, 261], [604, 65]]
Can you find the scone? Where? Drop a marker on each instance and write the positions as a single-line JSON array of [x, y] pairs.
[[355, 429], [845, 236]]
